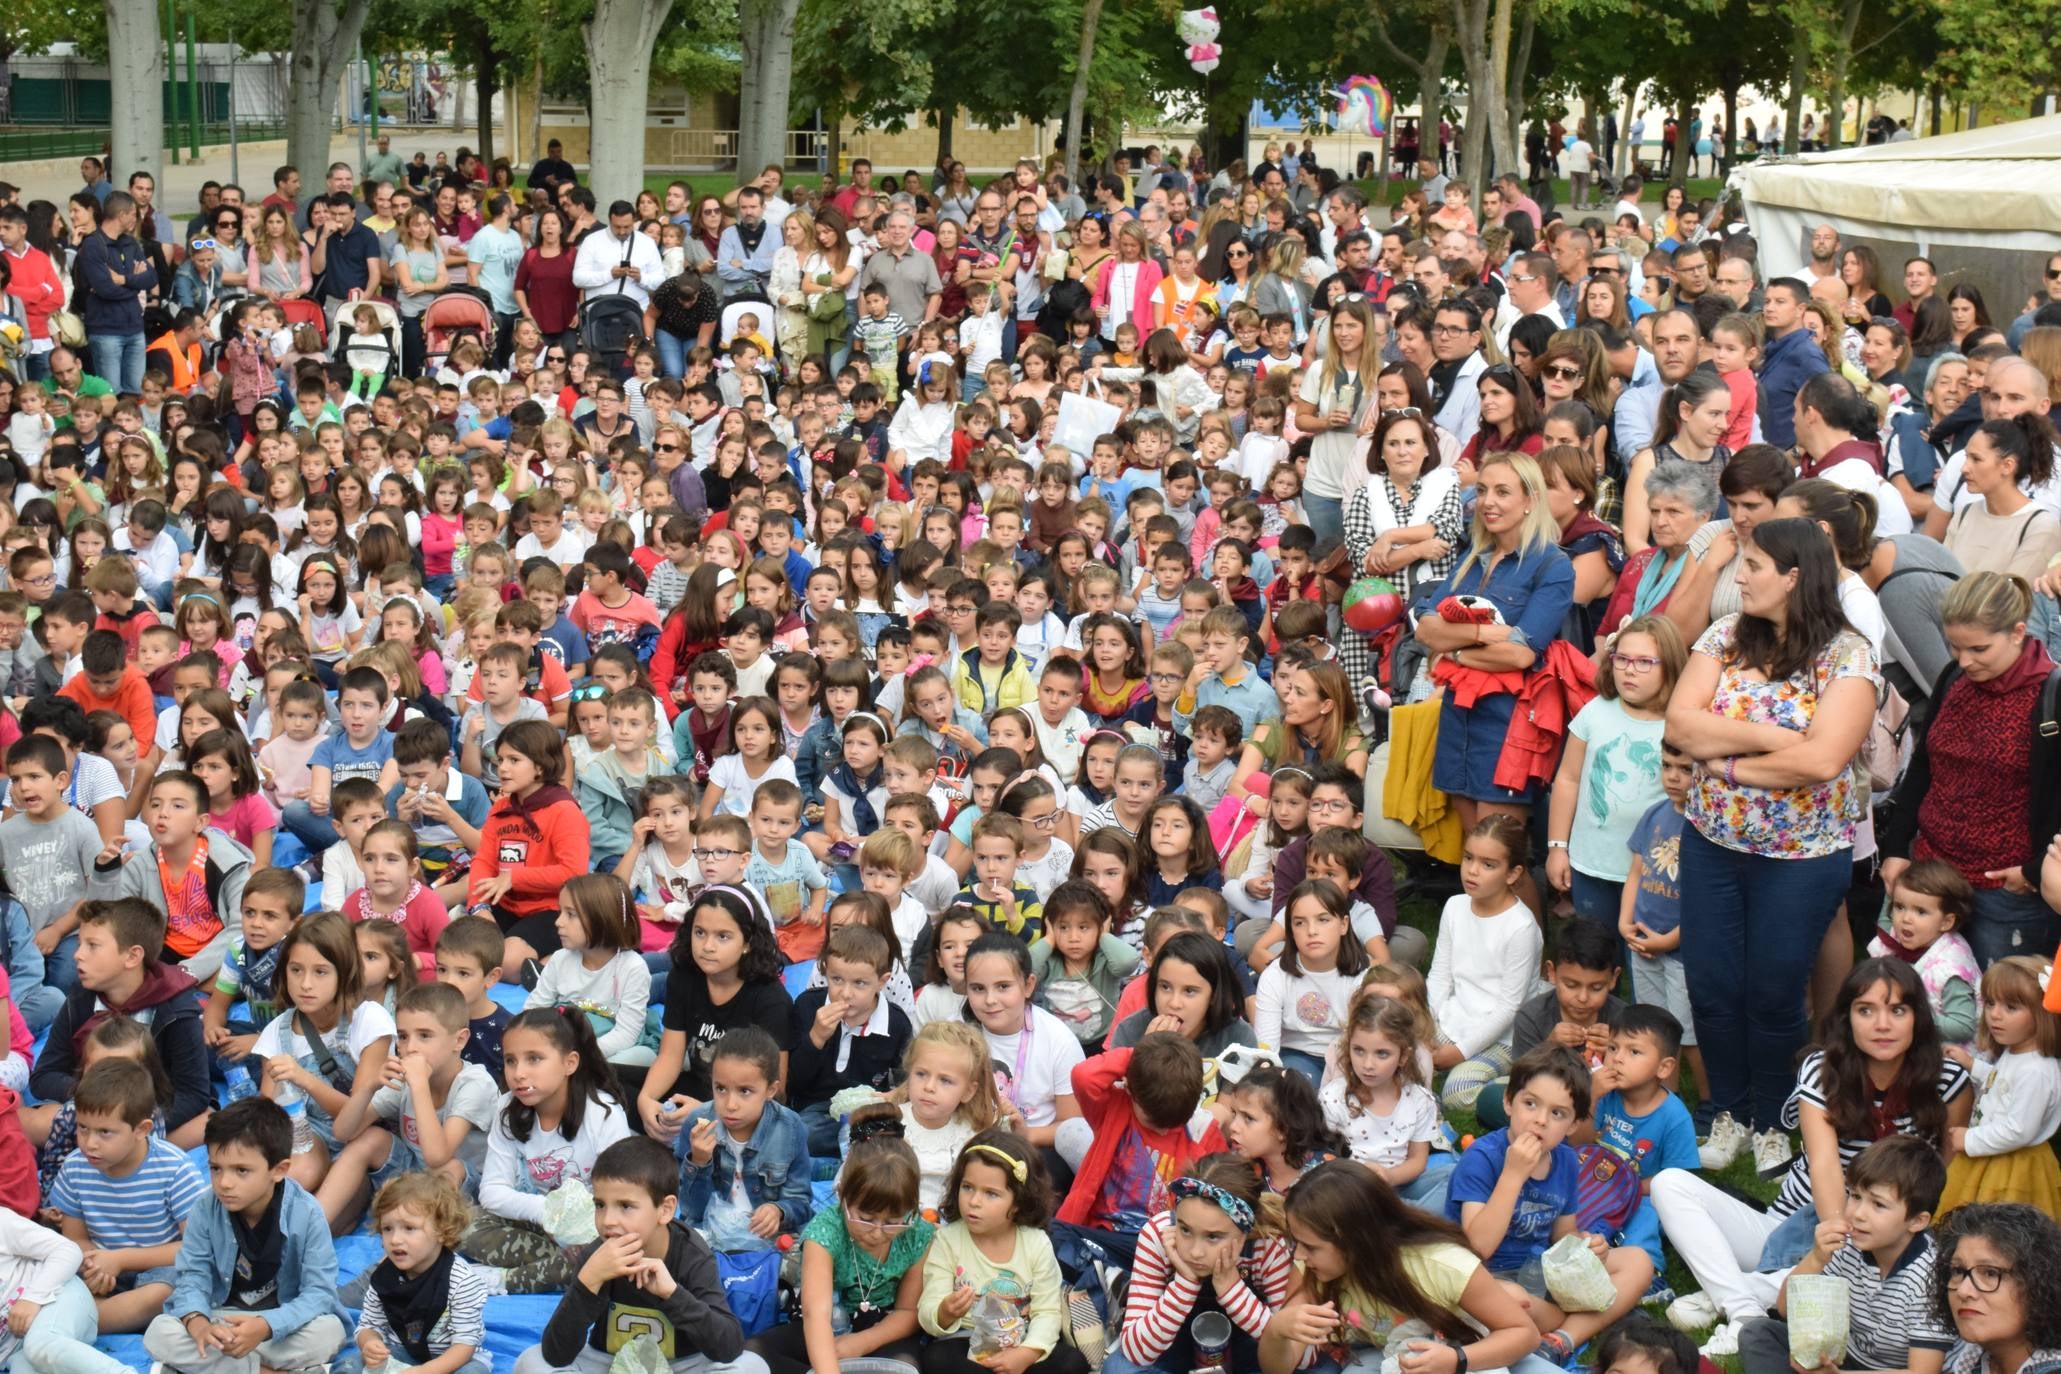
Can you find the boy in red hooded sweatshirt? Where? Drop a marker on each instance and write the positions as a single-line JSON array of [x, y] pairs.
[[1142, 1102], [535, 841]]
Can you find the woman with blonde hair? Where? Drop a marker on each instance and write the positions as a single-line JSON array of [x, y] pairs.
[[1280, 290], [791, 322], [1125, 283], [1337, 398], [1514, 562]]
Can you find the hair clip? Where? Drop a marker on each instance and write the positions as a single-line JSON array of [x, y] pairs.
[[877, 1128], [1011, 1165], [917, 663]]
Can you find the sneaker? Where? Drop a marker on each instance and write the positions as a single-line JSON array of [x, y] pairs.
[[1772, 1152], [532, 974], [1692, 1312], [1723, 1342], [1555, 1348], [1726, 1142], [1658, 1293], [1090, 1334], [494, 1280]]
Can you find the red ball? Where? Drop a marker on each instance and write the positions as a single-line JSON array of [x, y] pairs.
[[1372, 604]]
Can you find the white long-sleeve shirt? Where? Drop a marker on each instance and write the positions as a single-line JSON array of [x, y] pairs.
[[922, 431], [602, 253], [520, 1173], [34, 1263], [620, 988], [1482, 969], [2019, 1105], [1302, 1012]]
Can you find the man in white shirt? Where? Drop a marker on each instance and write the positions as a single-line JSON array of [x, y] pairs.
[[1533, 280], [1835, 433], [1579, 160], [618, 260]]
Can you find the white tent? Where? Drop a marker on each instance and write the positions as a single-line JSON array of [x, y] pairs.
[[1996, 189]]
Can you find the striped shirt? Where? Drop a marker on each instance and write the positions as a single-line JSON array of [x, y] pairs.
[[463, 1322], [148, 1207], [1890, 1315], [1161, 1300], [1796, 1186]]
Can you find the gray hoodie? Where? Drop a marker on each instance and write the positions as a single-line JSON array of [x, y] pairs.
[[228, 869]]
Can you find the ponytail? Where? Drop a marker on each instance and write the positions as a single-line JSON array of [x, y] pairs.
[[569, 1032]]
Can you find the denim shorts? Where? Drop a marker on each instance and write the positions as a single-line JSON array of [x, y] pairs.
[[405, 1158], [164, 1273]]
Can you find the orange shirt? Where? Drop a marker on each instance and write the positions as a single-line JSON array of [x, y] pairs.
[[132, 701]]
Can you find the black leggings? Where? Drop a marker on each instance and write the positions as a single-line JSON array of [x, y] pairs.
[[786, 1351]]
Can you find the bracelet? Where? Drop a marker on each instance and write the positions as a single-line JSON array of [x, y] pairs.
[[1459, 1357], [1731, 771]]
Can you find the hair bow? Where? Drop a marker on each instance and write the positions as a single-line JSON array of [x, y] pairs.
[[1232, 1206], [917, 664]]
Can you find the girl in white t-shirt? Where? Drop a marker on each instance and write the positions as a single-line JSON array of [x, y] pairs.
[[752, 754], [1382, 1105], [345, 1063], [1302, 995], [1029, 1047]]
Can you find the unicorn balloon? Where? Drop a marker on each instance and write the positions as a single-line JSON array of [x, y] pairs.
[[1363, 106]]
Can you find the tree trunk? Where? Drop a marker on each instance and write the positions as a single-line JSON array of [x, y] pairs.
[[324, 42], [1077, 99], [1431, 80], [1685, 144], [763, 81], [1724, 153], [1629, 163], [136, 66], [1520, 66], [1835, 117], [1932, 96], [486, 64], [945, 120], [1799, 74], [1485, 53], [619, 39]]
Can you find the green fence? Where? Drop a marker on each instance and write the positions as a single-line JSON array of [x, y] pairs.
[[24, 143]]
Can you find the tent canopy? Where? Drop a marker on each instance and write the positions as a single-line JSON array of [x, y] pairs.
[[1996, 188]]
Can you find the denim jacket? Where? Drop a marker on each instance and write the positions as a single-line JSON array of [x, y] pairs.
[[307, 1269], [822, 749], [776, 1168]]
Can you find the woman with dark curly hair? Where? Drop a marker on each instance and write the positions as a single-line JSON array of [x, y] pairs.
[[1998, 1281]]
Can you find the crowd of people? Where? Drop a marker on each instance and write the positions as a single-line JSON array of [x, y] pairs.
[[857, 716]]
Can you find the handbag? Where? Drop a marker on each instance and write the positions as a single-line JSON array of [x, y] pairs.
[[67, 328]]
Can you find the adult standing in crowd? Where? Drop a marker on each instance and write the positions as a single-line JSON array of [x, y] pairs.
[[544, 290], [619, 260], [113, 274], [1337, 404], [1773, 707], [1983, 790], [494, 256]]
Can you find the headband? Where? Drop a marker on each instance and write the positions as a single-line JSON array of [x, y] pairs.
[[1232, 1206], [1011, 1165], [203, 596]]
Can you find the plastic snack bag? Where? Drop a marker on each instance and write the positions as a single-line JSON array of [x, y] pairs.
[[1819, 1308], [569, 1214], [998, 1325], [1575, 1275], [640, 1356]]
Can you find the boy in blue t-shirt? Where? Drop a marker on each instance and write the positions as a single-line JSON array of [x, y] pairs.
[[1638, 1118], [1514, 1190], [1651, 918], [364, 748]]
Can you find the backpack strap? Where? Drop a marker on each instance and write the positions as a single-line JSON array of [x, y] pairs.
[[325, 1060]]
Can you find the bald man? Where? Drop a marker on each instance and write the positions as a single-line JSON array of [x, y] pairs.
[[1824, 261], [2013, 387]]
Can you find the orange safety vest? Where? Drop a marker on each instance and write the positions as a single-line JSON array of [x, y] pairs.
[[186, 368]]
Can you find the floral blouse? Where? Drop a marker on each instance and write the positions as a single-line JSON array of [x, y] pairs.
[[1805, 822]]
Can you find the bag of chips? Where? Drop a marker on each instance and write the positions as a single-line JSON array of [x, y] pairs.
[[1575, 1275], [569, 1214], [640, 1355], [1819, 1308]]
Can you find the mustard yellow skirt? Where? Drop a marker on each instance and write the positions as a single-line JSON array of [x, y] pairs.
[[2031, 1175]]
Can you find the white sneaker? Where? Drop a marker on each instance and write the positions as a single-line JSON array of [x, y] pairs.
[[1772, 1152], [1692, 1312], [494, 1280], [1726, 1142], [1723, 1342]]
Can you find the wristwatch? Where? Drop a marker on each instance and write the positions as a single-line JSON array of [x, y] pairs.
[[1556, 844]]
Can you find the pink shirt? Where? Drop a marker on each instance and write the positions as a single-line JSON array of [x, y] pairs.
[[287, 775], [1745, 398], [245, 818], [423, 916]]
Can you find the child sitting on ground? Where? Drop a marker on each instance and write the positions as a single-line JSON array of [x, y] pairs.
[[767, 1147], [846, 1033], [1577, 1010], [425, 1307]]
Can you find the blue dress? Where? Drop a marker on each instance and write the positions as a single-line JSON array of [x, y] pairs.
[[1534, 594]]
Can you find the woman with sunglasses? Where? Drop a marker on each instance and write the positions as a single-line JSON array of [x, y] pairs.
[[229, 254], [1237, 281], [544, 292]]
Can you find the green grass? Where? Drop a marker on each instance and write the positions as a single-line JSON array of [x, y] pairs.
[[1420, 909]]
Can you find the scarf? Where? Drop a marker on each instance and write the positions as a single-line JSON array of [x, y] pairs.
[[160, 984], [1442, 378], [260, 1253], [2032, 667], [750, 235], [1867, 450], [1885, 1110], [190, 919], [1894, 949], [528, 807], [865, 820], [1657, 581], [414, 1305]]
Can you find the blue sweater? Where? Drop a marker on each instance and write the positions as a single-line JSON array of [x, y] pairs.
[[107, 306], [307, 1269]]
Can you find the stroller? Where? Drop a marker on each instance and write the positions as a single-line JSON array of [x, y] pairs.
[[304, 312], [457, 314], [610, 326], [378, 353]]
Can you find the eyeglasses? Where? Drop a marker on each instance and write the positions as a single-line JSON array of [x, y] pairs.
[[1626, 663], [554, 357], [2053, 272], [1516, 280], [1402, 410], [1447, 331], [704, 855], [1602, 269], [1335, 806], [1987, 1278], [853, 1221], [590, 691], [665, 448], [1169, 677], [1566, 372]]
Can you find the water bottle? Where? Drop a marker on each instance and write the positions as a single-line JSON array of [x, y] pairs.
[[840, 1320], [294, 1103], [238, 1083]]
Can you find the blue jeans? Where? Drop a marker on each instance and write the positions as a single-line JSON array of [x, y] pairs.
[[316, 832], [1751, 927], [35, 366], [1310, 1066], [1427, 1191], [2007, 923], [1790, 1241], [1595, 899], [118, 360], [672, 353], [59, 969], [60, 1340], [1326, 515]]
